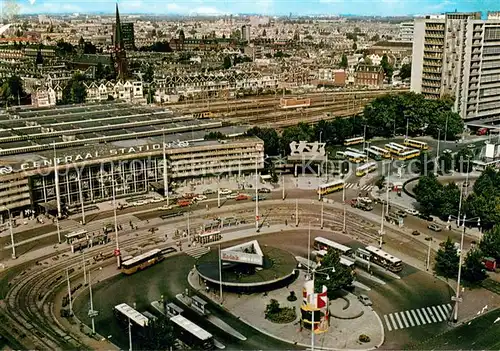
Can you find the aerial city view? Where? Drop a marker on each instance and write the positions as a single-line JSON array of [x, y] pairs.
[[267, 175]]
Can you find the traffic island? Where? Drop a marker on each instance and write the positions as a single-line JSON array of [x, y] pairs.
[[342, 334]]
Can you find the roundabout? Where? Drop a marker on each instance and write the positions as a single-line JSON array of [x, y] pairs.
[[271, 268]]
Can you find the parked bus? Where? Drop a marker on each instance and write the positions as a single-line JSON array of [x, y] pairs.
[[385, 153], [354, 141], [408, 155], [366, 168], [331, 187], [319, 254], [356, 151], [76, 235], [192, 335], [142, 261], [321, 243], [125, 314], [371, 153], [355, 157], [384, 259], [395, 149], [416, 144]]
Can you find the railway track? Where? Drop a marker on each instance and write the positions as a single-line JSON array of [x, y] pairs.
[[29, 301]]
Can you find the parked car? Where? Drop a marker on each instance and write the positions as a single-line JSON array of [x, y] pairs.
[[365, 300], [260, 198], [184, 203], [415, 232], [166, 208], [232, 196], [156, 200], [428, 218], [200, 197], [434, 227], [225, 191], [264, 190], [411, 211], [208, 192], [400, 213], [140, 203]]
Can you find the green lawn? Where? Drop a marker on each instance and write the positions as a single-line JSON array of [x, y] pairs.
[[479, 334]]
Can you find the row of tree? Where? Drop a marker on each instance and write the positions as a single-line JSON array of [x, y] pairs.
[[443, 200]]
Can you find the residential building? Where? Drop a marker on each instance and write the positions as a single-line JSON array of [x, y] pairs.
[[369, 75], [458, 55], [406, 31], [246, 32]]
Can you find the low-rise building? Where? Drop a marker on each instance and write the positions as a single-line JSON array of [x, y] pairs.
[[369, 75]]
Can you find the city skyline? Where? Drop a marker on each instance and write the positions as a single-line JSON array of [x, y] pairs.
[[264, 7]]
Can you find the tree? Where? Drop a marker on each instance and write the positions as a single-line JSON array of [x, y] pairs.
[[447, 260], [473, 269], [462, 160], [63, 48], [161, 334], [39, 58], [272, 307], [354, 46], [484, 202], [99, 71], [405, 71], [425, 193], [447, 200], [12, 89], [376, 37], [215, 136], [449, 122], [227, 62], [490, 243], [74, 92], [148, 74], [271, 138], [387, 67], [380, 182], [446, 162], [343, 62], [339, 279]]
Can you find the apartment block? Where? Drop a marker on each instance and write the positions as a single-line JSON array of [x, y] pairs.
[[458, 55], [406, 31]]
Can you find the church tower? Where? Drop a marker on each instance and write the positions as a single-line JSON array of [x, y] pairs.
[[120, 55]]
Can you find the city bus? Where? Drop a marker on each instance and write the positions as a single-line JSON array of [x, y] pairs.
[[355, 157], [76, 235], [384, 259], [126, 314], [331, 187], [366, 168], [209, 237], [395, 149], [416, 144], [192, 335], [319, 254], [408, 155], [354, 141], [373, 154], [142, 261], [321, 243], [385, 153], [356, 151]]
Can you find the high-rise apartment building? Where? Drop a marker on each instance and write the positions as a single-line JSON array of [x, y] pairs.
[[246, 32], [406, 31], [458, 54]]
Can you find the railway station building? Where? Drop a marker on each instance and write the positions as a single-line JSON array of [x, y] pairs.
[[51, 156]]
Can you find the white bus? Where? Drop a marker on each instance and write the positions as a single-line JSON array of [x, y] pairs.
[[319, 254], [395, 149], [377, 156], [355, 157], [366, 168], [416, 144], [331, 187], [356, 151], [385, 153], [191, 334], [124, 313], [354, 141], [321, 243], [409, 154], [384, 259]]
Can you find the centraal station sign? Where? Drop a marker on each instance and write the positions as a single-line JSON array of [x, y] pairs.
[[92, 155]]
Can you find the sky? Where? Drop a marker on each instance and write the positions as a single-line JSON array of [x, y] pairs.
[[265, 7]]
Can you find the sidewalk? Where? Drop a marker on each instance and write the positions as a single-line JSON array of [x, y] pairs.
[[349, 318]]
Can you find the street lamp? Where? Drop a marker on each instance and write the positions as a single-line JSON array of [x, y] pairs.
[[457, 297], [436, 161], [11, 233], [92, 313]]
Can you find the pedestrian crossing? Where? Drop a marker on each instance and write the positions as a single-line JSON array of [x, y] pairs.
[[361, 188], [417, 317], [196, 252]]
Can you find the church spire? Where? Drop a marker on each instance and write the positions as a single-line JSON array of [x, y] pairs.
[[118, 30], [120, 55]]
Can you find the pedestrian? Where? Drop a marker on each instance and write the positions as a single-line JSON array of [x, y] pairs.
[[286, 222]]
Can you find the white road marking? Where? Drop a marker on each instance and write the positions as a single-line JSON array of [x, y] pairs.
[[443, 311], [436, 313], [431, 314], [399, 320], [409, 318], [387, 323], [415, 317], [427, 319], [404, 320], [393, 322]]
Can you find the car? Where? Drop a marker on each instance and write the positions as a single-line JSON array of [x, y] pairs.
[[156, 200], [140, 203], [241, 197], [400, 213], [365, 300], [434, 227], [232, 196], [260, 198], [166, 208], [208, 192], [415, 232], [381, 201], [427, 217], [225, 191], [200, 197], [264, 190], [411, 211]]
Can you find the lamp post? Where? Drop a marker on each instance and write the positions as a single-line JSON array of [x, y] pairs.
[[462, 193], [343, 207], [436, 161], [457, 297], [117, 250], [92, 313], [11, 233]]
